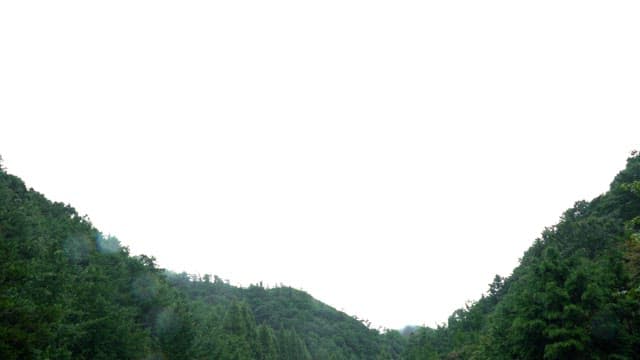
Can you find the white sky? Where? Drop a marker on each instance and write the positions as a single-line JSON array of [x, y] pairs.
[[389, 157]]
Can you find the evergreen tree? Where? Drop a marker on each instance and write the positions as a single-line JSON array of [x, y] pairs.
[[267, 346]]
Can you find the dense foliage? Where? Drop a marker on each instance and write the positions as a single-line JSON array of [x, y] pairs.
[[575, 294], [69, 292]]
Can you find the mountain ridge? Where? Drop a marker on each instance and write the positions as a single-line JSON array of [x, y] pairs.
[[67, 291]]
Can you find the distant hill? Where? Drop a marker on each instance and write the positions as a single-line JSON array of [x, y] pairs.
[[69, 292], [575, 294]]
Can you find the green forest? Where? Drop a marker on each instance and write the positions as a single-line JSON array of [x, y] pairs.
[[67, 291]]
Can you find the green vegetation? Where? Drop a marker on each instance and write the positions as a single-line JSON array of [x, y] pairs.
[[69, 292], [575, 294]]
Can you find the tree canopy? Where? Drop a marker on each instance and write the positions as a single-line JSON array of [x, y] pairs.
[[67, 291], [575, 294]]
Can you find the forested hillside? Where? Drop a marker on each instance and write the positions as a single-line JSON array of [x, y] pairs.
[[69, 292], [575, 294]]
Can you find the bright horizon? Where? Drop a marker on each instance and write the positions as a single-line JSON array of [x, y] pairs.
[[387, 158]]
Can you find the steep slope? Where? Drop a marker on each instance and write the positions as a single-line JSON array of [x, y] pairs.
[[65, 290], [68, 292], [575, 294]]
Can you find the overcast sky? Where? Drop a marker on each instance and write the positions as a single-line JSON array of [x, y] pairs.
[[388, 157]]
